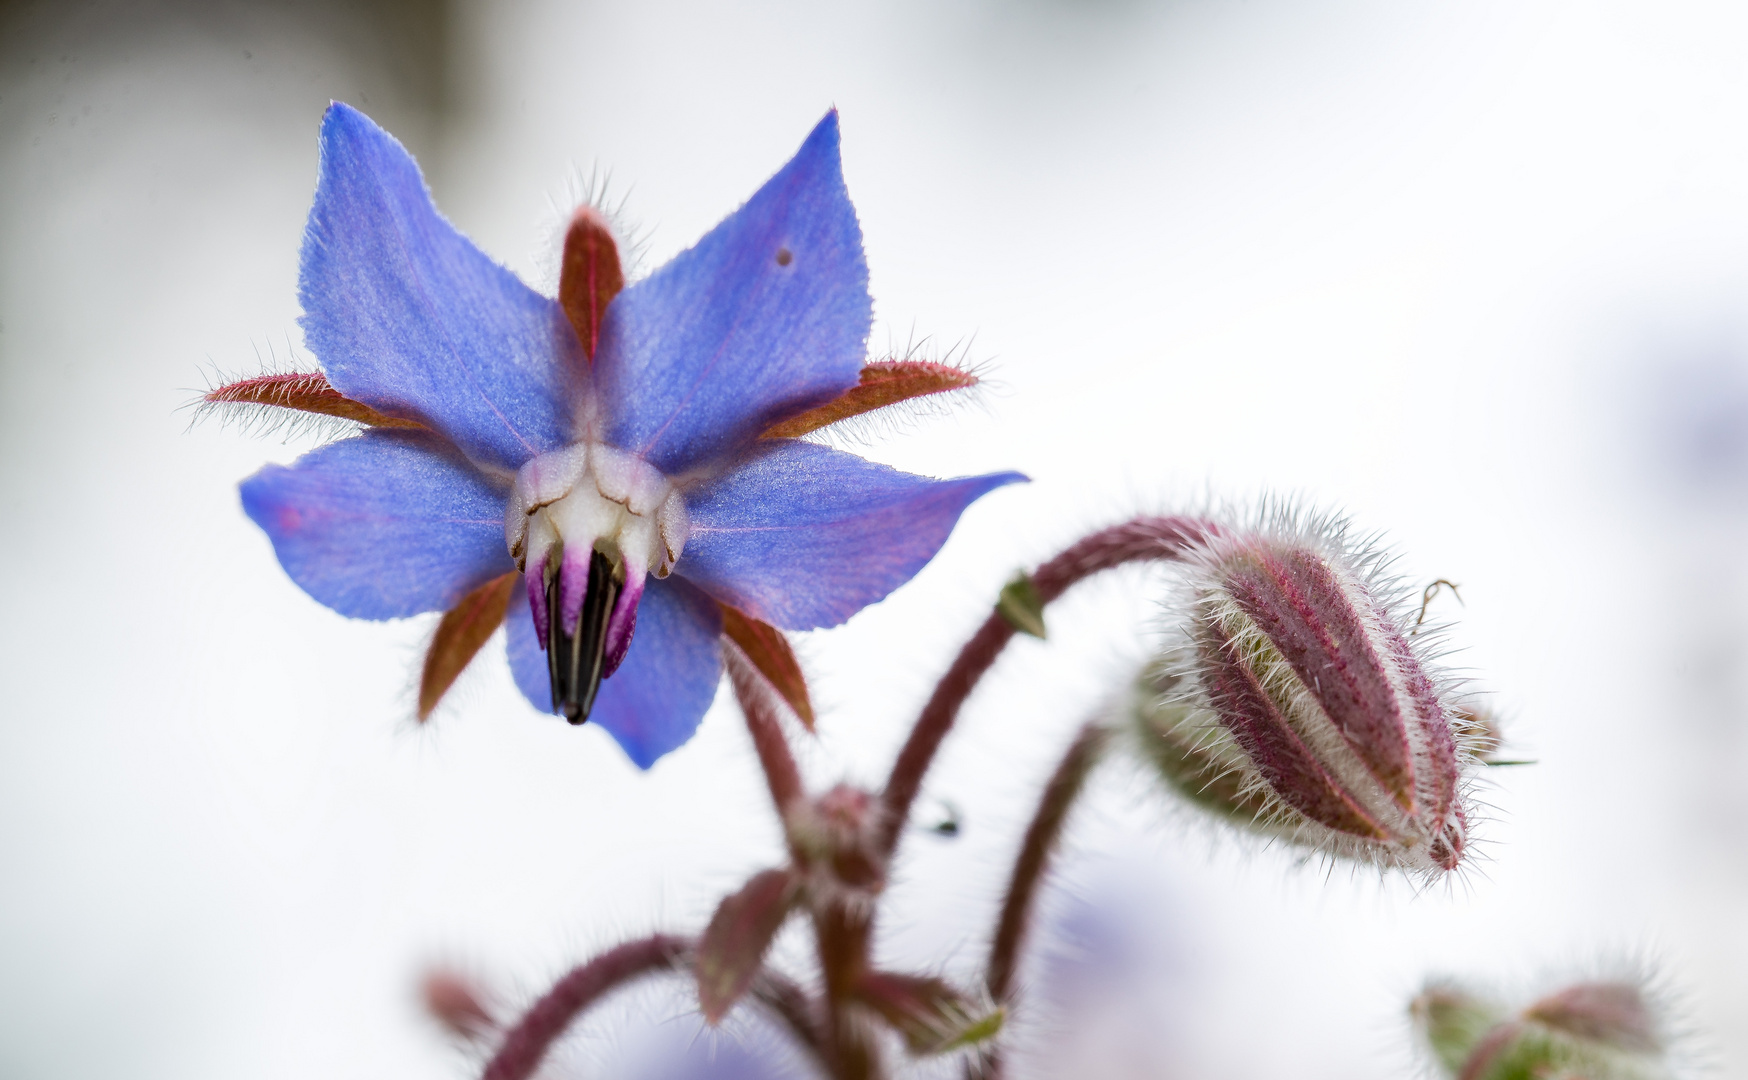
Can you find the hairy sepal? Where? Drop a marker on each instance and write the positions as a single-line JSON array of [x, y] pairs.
[[455, 1003], [733, 947], [465, 628], [769, 651], [933, 1017], [883, 383], [306, 392], [590, 276]]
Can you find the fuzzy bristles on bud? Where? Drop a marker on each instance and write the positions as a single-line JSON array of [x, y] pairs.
[[1293, 699]]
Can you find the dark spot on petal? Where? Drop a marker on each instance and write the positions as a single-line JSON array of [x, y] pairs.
[[784, 258]]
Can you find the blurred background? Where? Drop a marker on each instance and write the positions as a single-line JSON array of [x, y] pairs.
[[1475, 274]]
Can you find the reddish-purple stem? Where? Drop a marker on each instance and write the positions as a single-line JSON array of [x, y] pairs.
[[1042, 835], [788, 1002], [842, 935], [1143, 538], [527, 1043], [759, 702]]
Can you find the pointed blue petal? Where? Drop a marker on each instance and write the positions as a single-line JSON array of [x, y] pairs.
[[384, 525], [804, 536], [407, 316], [768, 315], [654, 702]]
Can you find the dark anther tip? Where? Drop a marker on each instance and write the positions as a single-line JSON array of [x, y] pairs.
[[784, 258], [576, 659]]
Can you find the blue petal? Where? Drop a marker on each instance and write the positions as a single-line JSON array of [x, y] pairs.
[[654, 702], [804, 536], [383, 525], [767, 316], [407, 316]]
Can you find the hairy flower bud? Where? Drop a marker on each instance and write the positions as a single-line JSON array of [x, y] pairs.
[[1603, 1030], [1201, 764], [1292, 699], [835, 839]]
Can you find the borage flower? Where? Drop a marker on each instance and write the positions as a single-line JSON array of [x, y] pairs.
[[613, 474]]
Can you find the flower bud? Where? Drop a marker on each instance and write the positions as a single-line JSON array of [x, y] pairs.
[[1451, 1021], [1200, 763], [1293, 700], [1608, 1014], [1604, 1030], [835, 840]]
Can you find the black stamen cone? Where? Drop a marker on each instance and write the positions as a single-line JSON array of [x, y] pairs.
[[574, 661]]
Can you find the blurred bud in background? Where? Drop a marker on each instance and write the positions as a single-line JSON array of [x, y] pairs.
[[1294, 699], [1607, 1029], [1451, 1022]]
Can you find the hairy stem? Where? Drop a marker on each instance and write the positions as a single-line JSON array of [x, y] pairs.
[[843, 934], [526, 1044], [784, 999], [759, 703], [1141, 539], [1042, 836]]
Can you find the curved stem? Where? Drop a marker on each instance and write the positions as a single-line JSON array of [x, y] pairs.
[[1143, 538], [1042, 835], [526, 1044], [1036, 850], [758, 702]]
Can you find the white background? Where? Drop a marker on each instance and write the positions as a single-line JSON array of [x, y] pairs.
[[1476, 274]]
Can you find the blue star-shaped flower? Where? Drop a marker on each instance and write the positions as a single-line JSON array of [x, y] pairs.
[[621, 457]]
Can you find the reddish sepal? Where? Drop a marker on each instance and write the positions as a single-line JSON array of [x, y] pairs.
[[769, 651], [455, 1004], [590, 276], [733, 946], [305, 392], [932, 1016], [884, 382], [465, 628]]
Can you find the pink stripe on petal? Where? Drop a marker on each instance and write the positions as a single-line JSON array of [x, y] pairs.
[[536, 580], [573, 586], [623, 621]]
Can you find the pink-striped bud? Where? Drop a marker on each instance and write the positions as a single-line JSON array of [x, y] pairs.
[[1295, 687]]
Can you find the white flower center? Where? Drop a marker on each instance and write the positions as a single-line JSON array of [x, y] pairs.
[[594, 497]]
